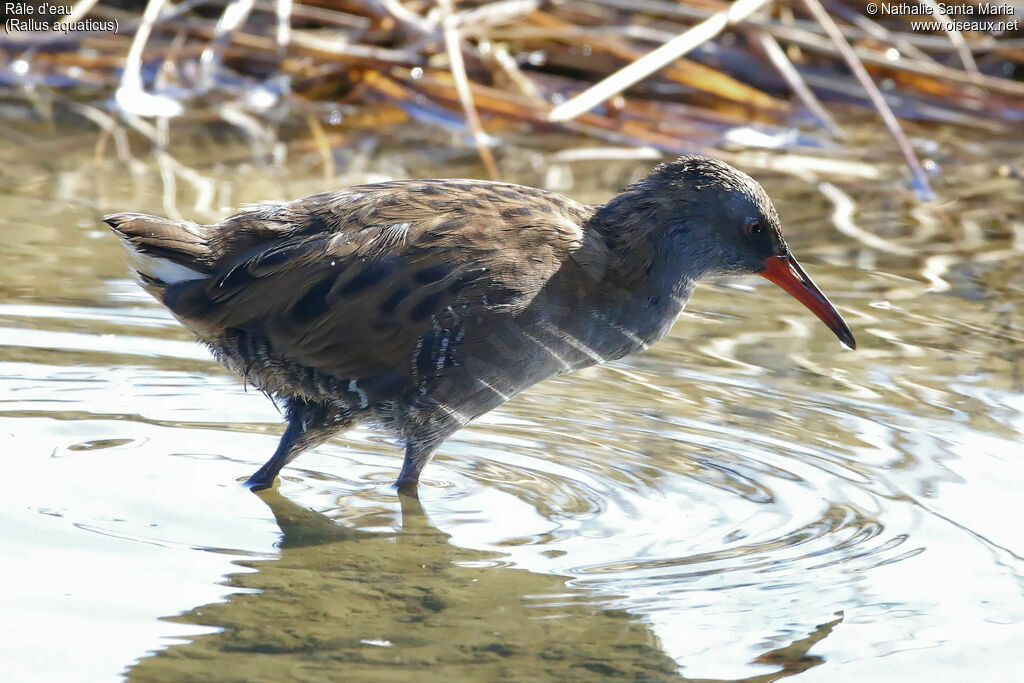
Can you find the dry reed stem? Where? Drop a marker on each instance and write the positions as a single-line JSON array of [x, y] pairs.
[[78, 11], [130, 96], [687, 72], [778, 58], [322, 146], [922, 185], [955, 37], [651, 62], [284, 24], [234, 15], [458, 70]]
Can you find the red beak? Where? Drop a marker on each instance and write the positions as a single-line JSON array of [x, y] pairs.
[[787, 273]]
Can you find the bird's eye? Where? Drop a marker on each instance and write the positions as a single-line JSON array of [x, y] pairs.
[[753, 228]]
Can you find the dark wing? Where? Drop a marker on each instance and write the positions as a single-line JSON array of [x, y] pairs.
[[349, 283]]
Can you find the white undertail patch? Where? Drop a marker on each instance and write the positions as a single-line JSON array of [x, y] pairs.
[[157, 268]]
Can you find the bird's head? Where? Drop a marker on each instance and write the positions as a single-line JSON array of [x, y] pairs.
[[707, 218]]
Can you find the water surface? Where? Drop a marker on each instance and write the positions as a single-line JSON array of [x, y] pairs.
[[747, 500]]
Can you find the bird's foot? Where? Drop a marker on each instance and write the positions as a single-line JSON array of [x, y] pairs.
[[408, 487], [260, 482]]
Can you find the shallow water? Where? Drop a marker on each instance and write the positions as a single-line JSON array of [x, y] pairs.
[[745, 500]]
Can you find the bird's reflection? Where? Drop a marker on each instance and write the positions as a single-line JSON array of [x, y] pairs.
[[302, 526], [344, 603]]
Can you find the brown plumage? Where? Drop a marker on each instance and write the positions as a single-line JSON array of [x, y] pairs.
[[419, 305]]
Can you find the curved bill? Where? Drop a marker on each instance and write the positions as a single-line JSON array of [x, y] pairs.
[[787, 273]]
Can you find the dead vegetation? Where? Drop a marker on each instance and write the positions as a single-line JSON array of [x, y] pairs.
[[649, 76]]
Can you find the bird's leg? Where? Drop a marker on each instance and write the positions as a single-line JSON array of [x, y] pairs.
[[418, 451], [309, 424], [416, 458]]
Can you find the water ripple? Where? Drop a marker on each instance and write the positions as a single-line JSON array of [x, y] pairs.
[[738, 485]]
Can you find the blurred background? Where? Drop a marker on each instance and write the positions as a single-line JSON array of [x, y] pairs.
[[746, 501]]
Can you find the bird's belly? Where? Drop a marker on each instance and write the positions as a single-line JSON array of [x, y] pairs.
[[253, 358]]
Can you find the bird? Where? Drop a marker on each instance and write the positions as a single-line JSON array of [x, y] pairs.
[[416, 306]]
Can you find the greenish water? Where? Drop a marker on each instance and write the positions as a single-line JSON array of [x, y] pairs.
[[745, 501]]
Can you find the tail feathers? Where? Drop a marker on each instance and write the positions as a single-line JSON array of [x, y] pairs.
[[164, 252]]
